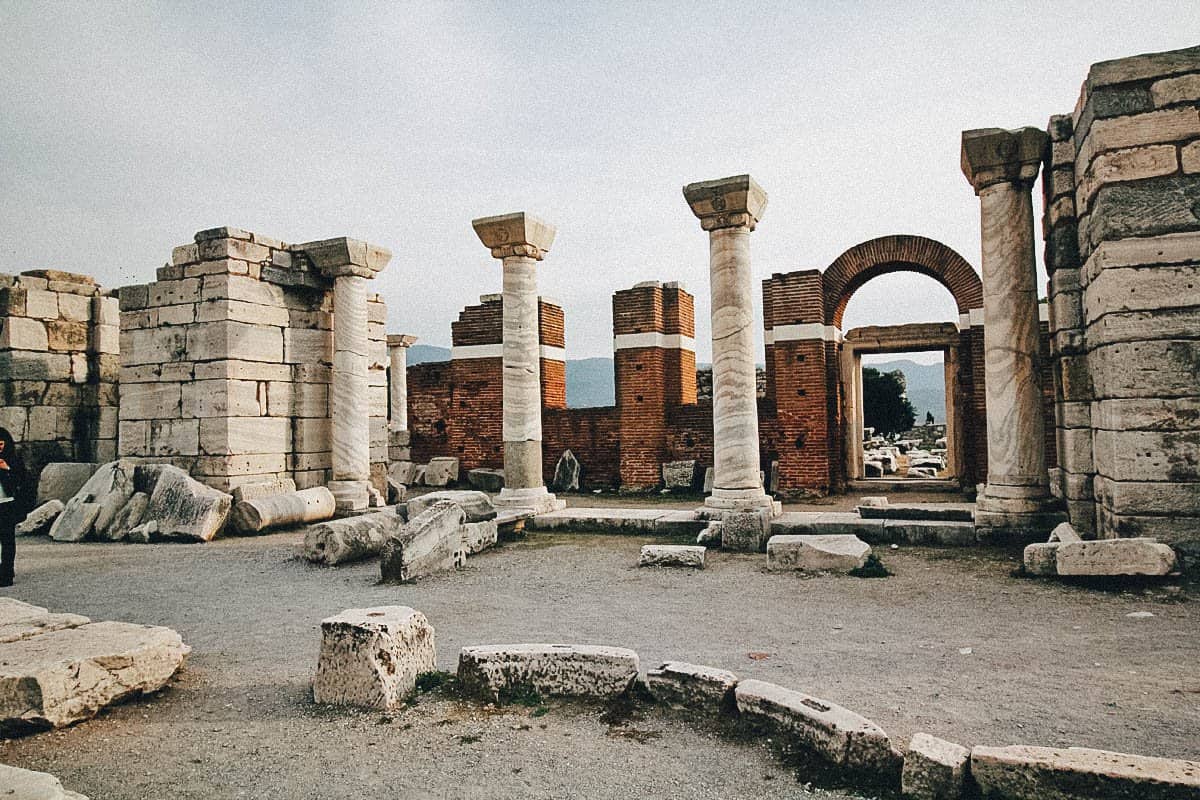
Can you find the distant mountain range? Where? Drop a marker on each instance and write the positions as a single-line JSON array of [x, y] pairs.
[[590, 380]]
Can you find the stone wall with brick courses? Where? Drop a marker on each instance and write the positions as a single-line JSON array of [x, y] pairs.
[[59, 366], [227, 359], [1136, 137]]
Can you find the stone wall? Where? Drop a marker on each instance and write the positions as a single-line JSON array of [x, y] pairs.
[[226, 363], [58, 366]]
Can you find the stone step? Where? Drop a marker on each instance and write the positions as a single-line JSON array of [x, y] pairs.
[[943, 512], [875, 531], [620, 520]]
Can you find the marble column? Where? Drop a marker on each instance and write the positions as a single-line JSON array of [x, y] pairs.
[[521, 241], [729, 209], [351, 264], [398, 345], [1002, 166]]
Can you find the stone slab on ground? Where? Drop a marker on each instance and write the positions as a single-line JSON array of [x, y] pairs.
[[834, 733], [20, 620], [38, 521], [1076, 773], [692, 686], [1107, 557], [479, 536], [341, 541], [934, 769], [672, 555], [1041, 558], [946, 512], [62, 480], [486, 480], [939, 533], [620, 520], [61, 677], [555, 670], [105, 493], [476, 506], [836, 553], [428, 543], [371, 657], [25, 784]]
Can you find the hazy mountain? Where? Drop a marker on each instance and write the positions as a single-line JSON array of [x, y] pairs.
[[926, 386], [424, 353]]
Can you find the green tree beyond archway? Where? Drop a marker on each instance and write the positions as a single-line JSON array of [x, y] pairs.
[[885, 406]]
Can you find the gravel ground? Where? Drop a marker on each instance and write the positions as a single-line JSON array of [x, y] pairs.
[[951, 644]]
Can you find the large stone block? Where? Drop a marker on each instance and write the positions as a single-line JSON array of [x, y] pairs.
[[38, 521], [58, 678], [1115, 557], [745, 531], [476, 506], [479, 536], [692, 687], [1075, 773], [429, 542], [25, 784], [184, 508], [371, 657], [486, 480], [61, 480], [671, 555], [559, 670], [822, 553], [21, 620], [442, 471], [244, 435], [342, 541], [21, 333], [96, 503], [681, 475], [211, 341], [934, 769]]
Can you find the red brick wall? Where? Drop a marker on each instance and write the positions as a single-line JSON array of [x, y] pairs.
[[592, 435], [429, 405]]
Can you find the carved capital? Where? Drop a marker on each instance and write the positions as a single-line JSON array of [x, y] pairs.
[[404, 340], [736, 202], [342, 256], [993, 155], [518, 234]]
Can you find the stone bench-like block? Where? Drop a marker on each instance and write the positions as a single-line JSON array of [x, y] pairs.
[[55, 679], [836, 734], [934, 769], [1041, 558], [25, 784], [1038, 773], [828, 553], [560, 670], [691, 686], [672, 555], [1115, 557], [371, 657]]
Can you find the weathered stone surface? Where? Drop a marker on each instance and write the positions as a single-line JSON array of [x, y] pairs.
[[691, 686], [21, 620], [476, 506], [680, 475], [479, 536], [76, 520], [932, 512], [934, 769], [832, 553], [561, 670], [371, 657], [341, 541], [671, 555], [711, 535], [109, 489], [185, 508], [486, 480], [1041, 558], [431, 541], [1116, 557], [1076, 773], [38, 521], [745, 531], [1065, 532], [125, 520], [61, 677], [834, 733], [567, 472], [403, 472], [441, 472], [25, 784], [267, 488], [396, 492], [62, 480], [280, 510]]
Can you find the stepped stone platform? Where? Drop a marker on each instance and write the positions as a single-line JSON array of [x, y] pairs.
[[875, 531], [626, 520], [946, 512]]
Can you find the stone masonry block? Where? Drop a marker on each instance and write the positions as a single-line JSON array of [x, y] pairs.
[[371, 657]]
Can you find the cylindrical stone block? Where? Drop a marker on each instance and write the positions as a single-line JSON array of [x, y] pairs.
[[277, 510], [522, 425], [398, 387]]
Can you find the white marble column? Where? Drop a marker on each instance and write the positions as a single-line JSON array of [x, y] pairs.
[[398, 345], [521, 241], [1002, 167], [729, 209]]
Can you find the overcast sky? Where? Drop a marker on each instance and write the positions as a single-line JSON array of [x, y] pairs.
[[126, 128]]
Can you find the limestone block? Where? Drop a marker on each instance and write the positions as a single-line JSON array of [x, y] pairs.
[[185, 508], [1116, 557], [150, 401], [441, 471], [486, 480], [934, 769], [479, 536], [25, 784], [38, 521], [341, 541], [429, 542], [1041, 558], [1190, 157], [306, 346], [1076, 773], [567, 473], [241, 370], [263, 488], [96, 502], [396, 492], [311, 435], [172, 292], [61, 677], [240, 311], [22, 333], [41, 304], [692, 687], [476, 506], [558, 670], [209, 341], [680, 475], [27, 365], [21, 620], [126, 519], [745, 531], [708, 480], [221, 398], [282, 510], [403, 472], [821, 553], [43, 424], [834, 733], [371, 657], [245, 435], [1065, 532], [671, 555]]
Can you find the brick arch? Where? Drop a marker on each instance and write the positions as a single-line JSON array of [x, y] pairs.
[[901, 253]]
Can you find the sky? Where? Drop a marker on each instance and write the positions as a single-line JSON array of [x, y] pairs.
[[126, 128]]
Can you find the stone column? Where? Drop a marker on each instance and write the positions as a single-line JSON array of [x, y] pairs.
[[520, 241], [398, 345], [351, 264], [729, 209], [1002, 166]]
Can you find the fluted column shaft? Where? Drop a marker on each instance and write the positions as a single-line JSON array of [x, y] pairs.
[[522, 424]]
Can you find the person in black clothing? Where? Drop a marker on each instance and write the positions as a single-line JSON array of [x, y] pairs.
[[14, 493]]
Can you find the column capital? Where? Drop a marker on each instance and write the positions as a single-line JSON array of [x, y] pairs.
[[518, 234], [405, 340], [342, 256], [993, 155], [735, 202]]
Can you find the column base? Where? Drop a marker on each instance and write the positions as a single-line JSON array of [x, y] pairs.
[[536, 498], [721, 501], [1020, 520], [350, 496]]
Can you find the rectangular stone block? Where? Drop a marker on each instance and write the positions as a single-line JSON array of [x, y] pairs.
[[173, 437], [1169, 125], [692, 687], [212, 341], [1151, 288], [150, 401], [371, 657], [237, 370], [244, 435], [1040, 773], [41, 304], [305, 346], [1146, 208], [1181, 89], [1161, 368], [311, 435], [153, 346], [1147, 455], [241, 311], [1148, 497], [1107, 557], [557, 670], [222, 398], [934, 769], [241, 287], [1147, 413], [22, 333]]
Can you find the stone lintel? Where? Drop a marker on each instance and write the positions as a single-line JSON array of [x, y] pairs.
[[343, 256], [993, 155], [734, 202], [512, 235], [401, 340]]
